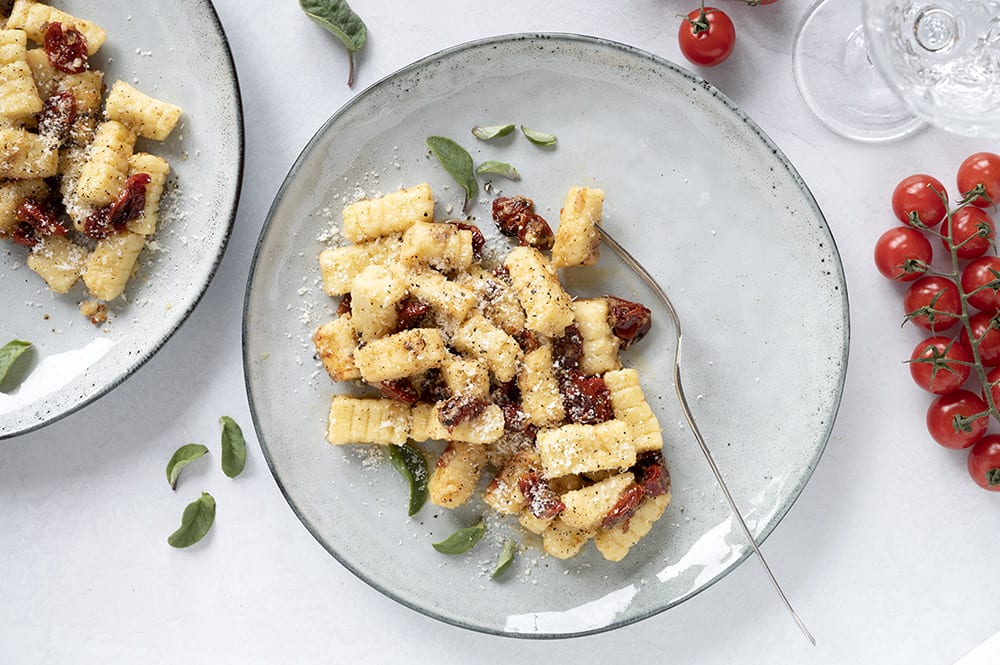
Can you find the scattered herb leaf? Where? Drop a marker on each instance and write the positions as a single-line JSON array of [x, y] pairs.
[[181, 458], [506, 557], [234, 447], [538, 138], [492, 131], [195, 523], [457, 161], [337, 17], [412, 465], [462, 540], [9, 353], [492, 167]]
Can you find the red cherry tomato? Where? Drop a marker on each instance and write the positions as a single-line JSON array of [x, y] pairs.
[[920, 196], [903, 253], [707, 36], [994, 380], [953, 419], [940, 365], [982, 168], [933, 303], [981, 281], [972, 232], [984, 463], [986, 329]]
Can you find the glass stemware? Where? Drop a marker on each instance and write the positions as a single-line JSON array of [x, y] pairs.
[[878, 69]]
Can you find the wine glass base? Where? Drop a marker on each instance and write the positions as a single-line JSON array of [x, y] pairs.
[[838, 81]]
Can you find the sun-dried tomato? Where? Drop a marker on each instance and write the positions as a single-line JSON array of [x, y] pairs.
[[57, 115], [458, 409], [434, 388], [543, 502], [401, 390], [516, 217], [66, 48], [528, 340], [478, 239], [409, 313], [516, 420], [568, 349], [129, 205], [623, 510], [651, 474], [630, 321], [40, 216], [344, 306], [587, 399], [25, 235]]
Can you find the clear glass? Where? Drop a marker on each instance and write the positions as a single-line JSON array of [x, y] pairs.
[[876, 70], [943, 59]]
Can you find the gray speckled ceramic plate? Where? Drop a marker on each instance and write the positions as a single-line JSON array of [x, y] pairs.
[[700, 196], [175, 51]]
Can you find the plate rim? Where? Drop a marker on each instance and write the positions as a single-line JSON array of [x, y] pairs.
[[152, 350], [731, 107]]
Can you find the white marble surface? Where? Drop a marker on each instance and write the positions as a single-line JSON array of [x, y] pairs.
[[889, 555]]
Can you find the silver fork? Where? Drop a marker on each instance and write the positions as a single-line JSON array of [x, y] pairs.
[[636, 267]]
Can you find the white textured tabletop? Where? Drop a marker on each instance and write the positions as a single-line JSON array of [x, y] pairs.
[[889, 554]]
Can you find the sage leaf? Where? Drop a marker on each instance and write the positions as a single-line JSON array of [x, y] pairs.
[[462, 540], [234, 447], [337, 17], [492, 131], [195, 522], [492, 167], [457, 161], [181, 458], [9, 353], [538, 138], [506, 558], [412, 465]]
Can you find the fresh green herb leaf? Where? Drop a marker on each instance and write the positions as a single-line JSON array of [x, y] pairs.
[[412, 465], [492, 131], [195, 523], [181, 458], [506, 557], [462, 540], [457, 161], [337, 17], [9, 353], [234, 447], [503, 169], [538, 138]]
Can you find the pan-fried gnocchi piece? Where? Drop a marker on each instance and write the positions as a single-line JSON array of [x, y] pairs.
[[630, 405], [157, 169], [456, 474], [578, 242], [600, 346], [59, 261], [32, 17], [497, 361], [110, 264], [392, 213], [576, 448], [614, 543], [547, 307], [401, 355], [12, 194], [357, 420], [24, 155], [19, 98], [104, 173], [146, 116]]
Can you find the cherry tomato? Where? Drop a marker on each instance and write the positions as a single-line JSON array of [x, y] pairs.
[[903, 253], [707, 36], [982, 168], [952, 419], [984, 463], [972, 232], [939, 365], [981, 281], [920, 196], [986, 329], [933, 303], [994, 380]]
